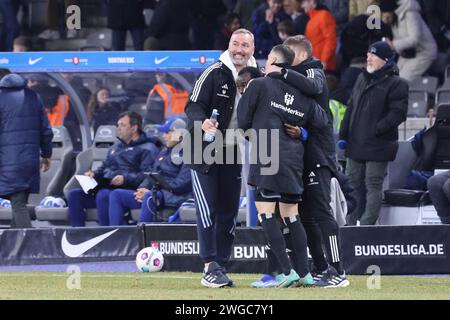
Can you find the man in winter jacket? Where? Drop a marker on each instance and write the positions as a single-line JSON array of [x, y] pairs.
[[123, 167], [152, 196], [25, 144], [369, 131], [217, 185], [266, 106]]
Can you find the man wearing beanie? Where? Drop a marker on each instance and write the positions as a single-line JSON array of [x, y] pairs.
[[369, 130]]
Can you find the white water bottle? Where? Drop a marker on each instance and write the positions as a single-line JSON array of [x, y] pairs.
[[208, 136]]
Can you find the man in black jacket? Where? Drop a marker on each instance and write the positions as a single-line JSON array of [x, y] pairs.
[[369, 130], [267, 105], [217, 185], [307, 75]]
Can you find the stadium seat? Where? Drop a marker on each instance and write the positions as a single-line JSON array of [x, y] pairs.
[[428, 84], [140, 108], [417, 103], [399, 168], [443, 95], [417, 95], [115, 85], [53, 181], [447, 72], [417, 108], [91, 158], [100, 38]]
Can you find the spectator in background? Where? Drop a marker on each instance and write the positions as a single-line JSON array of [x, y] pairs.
[[265, 20], [57, 105], [123, 16], [77, 84], [100, 111], [245, 8], [359, 7], [231, 24], [22, 44], [321, 31], [205, 23], [25, 144], [299, 17], [412, 40], [56, 20], [164, 101], [149, 196], [339, 9], [10, 27], [369, 131], [286, 29], [437, 14], [169, 27], [356, 37], [123, 168]]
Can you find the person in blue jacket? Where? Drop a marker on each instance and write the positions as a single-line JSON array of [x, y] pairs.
[[151, 196], [25, 144], [123, 167]]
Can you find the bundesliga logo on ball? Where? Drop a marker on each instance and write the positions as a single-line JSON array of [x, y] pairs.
[[149, 260]]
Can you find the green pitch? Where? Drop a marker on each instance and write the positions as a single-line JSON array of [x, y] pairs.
[[183, 285]]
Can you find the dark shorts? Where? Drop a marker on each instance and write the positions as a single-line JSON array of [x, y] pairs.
[[264, 195]]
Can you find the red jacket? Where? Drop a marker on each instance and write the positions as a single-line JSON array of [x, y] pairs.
[[321, 31]]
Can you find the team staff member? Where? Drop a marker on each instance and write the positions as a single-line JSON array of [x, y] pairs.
[[266, 106], [217, 186], [123, 167], [25, 144], [307, 75]]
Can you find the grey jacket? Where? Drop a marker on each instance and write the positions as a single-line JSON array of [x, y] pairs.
[[412, 32]]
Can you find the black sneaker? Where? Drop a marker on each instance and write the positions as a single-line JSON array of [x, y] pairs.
[[332, 279], [317, 275], [213, 277], [224, 271]]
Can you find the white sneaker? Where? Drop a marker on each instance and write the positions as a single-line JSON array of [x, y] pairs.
[[72, 33], [49, 35]]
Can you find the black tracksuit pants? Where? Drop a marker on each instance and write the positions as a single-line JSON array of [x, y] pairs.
[[217, 195], [318, 220]]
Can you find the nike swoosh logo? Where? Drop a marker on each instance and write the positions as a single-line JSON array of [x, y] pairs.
[[76, 250], [158, 61], [31, 61]]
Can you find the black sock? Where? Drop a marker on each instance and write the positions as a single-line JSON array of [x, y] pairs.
[[274, 236], [272, 262], [298, 240]]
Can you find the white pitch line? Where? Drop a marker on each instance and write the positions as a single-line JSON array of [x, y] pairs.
[[107, 275]]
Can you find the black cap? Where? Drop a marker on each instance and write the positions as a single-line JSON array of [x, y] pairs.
[[382, 50]]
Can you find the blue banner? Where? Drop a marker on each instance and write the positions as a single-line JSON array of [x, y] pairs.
[[108, 61]]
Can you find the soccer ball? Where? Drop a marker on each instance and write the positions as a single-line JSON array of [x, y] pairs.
[[149, 260]]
